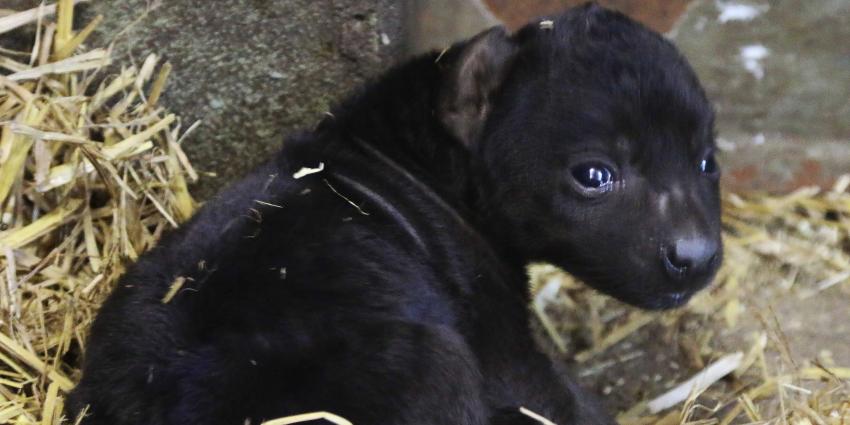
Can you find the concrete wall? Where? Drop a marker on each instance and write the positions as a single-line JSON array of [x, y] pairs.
[[252, 71]]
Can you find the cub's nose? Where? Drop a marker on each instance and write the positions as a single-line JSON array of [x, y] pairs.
[[686, 258]]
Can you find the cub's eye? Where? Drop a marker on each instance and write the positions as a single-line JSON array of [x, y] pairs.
[[708, 165], [594, 176]]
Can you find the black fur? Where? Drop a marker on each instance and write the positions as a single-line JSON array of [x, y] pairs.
[[390, 287]]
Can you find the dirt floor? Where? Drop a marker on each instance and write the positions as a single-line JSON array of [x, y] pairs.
[[651, 361]]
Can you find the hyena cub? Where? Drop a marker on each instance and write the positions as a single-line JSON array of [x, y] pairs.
[[375, 267]]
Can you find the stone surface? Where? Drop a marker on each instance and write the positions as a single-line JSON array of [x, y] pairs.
[[436, 24], [778, 71], [783, 67], [253, 71]]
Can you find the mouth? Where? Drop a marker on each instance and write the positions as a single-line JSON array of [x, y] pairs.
[[669, 300], [677, 298]]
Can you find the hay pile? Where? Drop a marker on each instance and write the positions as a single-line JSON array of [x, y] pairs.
[[92, 173]]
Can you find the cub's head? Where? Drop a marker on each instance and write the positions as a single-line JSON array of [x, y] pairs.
[[593, 144]]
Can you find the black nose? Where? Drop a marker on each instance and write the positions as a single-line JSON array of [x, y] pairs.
[[690, 257]]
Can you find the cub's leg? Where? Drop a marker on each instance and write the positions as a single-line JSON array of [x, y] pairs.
[[396, 373], [370, 373]]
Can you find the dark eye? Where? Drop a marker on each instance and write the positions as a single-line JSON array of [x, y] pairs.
[[708, 165], [594, 176]]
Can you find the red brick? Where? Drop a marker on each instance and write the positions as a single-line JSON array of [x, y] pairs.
[[659, 15]]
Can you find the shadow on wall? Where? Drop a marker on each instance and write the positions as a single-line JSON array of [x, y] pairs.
[[777, 71]]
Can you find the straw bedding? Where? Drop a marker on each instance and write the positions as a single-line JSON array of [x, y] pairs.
[[92, 173]]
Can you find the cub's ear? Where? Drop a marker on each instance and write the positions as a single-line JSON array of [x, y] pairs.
[[472, 80]]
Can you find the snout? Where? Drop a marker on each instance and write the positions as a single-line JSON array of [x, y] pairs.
[[689, 260]]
